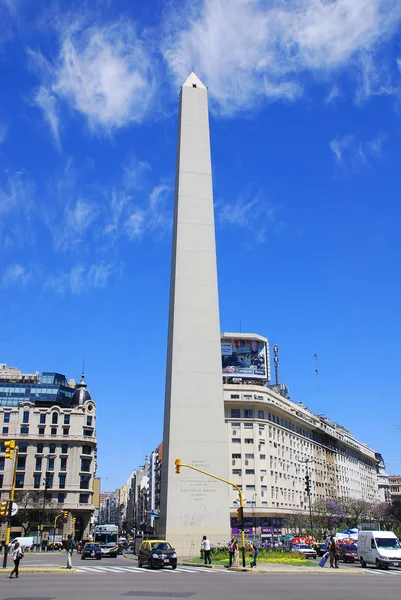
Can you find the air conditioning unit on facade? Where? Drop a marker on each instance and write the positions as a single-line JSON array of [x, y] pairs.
[[233, 461], [247, 462]]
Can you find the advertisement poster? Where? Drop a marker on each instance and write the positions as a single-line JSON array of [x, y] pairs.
[[245, 359]]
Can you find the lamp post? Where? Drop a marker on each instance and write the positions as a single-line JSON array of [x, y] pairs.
[[253, 513], [46, 487]]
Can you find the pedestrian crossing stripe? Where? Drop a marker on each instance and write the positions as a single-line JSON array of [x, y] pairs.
[[113, 569]]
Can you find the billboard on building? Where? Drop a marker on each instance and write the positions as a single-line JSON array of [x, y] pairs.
[[244, 358]]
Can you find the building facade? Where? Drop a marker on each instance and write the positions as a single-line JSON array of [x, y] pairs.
[[395, 487], [54, 424]]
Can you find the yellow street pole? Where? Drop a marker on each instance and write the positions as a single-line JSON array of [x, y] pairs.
[[10, 506], [179, 464]]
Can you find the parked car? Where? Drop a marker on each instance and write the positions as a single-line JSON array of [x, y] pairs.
[[348, 552], [91, 550], [157, 553], [110, 549], [305, 550], [322, 549]]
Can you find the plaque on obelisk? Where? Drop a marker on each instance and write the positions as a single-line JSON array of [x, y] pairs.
[[193, 505]]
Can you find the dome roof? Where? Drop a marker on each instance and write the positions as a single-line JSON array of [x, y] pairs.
[[81, 394]]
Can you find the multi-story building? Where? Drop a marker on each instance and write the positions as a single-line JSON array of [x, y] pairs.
[[395, 487], [53, 422], [383, 483]]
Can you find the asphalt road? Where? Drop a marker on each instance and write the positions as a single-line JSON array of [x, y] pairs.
[[120, 578]]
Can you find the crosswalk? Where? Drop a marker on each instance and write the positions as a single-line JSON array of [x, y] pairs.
[[120, 570], [383, 573]]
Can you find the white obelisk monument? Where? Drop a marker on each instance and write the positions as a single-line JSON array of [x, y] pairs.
[[193, 505]]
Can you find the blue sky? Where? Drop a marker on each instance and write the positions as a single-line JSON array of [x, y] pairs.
[[305, 130]]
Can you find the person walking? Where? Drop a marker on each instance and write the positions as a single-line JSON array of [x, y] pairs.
[[17, 555], [69, 548], [231, 551], [206, 550], [333, 551], [236, 553], [255, 550]]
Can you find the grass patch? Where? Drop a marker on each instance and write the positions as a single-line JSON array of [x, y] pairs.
[[265, 557]]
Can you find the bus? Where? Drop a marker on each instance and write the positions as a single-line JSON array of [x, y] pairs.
[[106, 535]]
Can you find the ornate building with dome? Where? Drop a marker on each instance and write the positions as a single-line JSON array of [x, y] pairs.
[[54, 424]]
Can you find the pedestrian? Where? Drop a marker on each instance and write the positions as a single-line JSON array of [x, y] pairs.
[[333, 551], [69, 547], [231, 551], [17, 555], [255, 554], [206, 550], [236, 553]]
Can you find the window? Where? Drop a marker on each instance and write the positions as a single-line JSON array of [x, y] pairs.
[[86, 450], [52, 448], [87, 432], [22, 447], [262, 456], [261, 414], [36, 481], [84, 482], [248, 440], [25, 416], [66, 419], [63, 464], [19, 480], [235, 396], [236, 456], [38, 466], [42, 418], [39, 448], [85, 464], [235, 413], [54, 418], [84, 498], [53, 431], [237, 471], [60, 498], [50, 464], [249, 471], [235, 440], [61, 482], [248, 425], [1, 463], [41, 431], [89, 421], [249, 456], [66, 430], [6, 417], [250, 487], [5, 429], [49, 480], [24, 430], [64, 448], [248, 413], [236, 425]]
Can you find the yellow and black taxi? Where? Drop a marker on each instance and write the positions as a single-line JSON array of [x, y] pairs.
[[157, 554], [91, 550]]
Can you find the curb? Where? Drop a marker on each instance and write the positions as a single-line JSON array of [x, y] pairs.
[[40, 570], [296, 570]]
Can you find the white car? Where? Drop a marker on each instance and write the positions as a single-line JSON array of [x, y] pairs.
[[305, 550]]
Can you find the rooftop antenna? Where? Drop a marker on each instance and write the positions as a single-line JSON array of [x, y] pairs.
[[318, 384], [276, 361]]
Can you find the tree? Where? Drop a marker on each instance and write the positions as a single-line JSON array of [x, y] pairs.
[[297, 523], [328, 512], [356, 511], [33, 509]]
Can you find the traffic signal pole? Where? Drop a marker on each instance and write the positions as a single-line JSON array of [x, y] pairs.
[[179, 464], [11, 448]]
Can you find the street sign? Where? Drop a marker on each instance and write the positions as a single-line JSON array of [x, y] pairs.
[[14, 509]]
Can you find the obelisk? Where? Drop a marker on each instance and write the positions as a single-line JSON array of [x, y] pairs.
[[193, 505]]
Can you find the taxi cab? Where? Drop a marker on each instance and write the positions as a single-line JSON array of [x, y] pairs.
[[157, 554]]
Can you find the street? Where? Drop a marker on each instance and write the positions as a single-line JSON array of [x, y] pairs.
[[110, 579]]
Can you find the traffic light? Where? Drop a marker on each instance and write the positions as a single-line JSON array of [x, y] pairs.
[[240, 513], [73, 521], [178, 464], [65, 515], [9, 446], [144, 512], [307, 483], [4, 509]]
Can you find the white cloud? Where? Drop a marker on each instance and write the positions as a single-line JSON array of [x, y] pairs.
[[81, 278], [70, 228], [16, 274], [248, 50], [16, 208], [134, 224], [349, 149], [251, 211], [103, 72]]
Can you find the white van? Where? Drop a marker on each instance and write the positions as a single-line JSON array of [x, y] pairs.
[[380, 548]]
